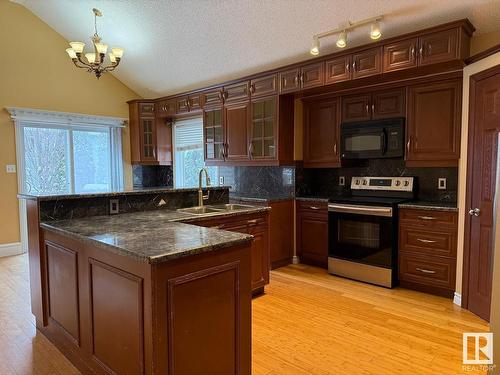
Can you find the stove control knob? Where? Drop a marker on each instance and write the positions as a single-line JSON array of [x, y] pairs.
[[364, 182], [357, 182], [407, 183], [398, 183]]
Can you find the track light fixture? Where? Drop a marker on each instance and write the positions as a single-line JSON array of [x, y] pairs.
[[375, 33]]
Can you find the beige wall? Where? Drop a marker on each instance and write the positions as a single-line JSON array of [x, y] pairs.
[[35, 72], [484, 41]]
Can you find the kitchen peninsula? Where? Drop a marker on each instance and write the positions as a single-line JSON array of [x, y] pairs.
[[151, 290]]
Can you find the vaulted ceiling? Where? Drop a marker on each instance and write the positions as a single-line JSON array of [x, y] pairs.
[[178, 45]]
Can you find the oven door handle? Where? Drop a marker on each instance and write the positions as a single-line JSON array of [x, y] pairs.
[[360, 210]]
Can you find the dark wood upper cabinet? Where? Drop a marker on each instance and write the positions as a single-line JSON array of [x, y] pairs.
[[356, 108], [388, 104], [213, 97], [166, 108], [195, 102], [367, 63], [264, 86], [236, 118], [182, 105], [213, 134], [237, 92], [263, 128], [438, 47], [433, 124], [338, 69], [150, 136], [400, 55], [289, 80], [321, 134], [312, 75]]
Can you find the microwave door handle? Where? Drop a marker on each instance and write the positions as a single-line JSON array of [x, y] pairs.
[[383, 142]]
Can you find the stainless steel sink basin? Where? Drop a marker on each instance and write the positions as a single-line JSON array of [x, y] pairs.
[[199, 210], [231, 207]]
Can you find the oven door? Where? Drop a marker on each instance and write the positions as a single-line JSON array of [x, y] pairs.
[[361, 234]]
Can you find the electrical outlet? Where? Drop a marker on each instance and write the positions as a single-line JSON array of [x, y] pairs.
[[221, 180], [10, 168], [341, 181], [442, 183], [114, 206]]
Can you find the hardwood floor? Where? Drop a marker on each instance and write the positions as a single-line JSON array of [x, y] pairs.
[[308, 322]]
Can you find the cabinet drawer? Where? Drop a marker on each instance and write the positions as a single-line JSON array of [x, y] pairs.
[[262, 86], [315, 207], [165, 108], [429, 219], [289, 81], [146, 109], [236, 92], [182, 105], [442, 243], [213, 97], [423, 270], [195, 102]]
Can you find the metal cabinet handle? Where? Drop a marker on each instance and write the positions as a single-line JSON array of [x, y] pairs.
[[154, 153], [354, 66], [429, 49], [475, 212], [427, 218], [367, 108], [421, 51], [252, 88], [335, 148], [425, 241], [296, 79], [373, 109], [302, 78], [347, 67], [408, 145], [253, 221], [412, 52], [314, 208], [426, 271], [250, 150]]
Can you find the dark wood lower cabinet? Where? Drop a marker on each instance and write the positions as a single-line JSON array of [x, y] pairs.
[[111, 314], [428, 250], [312, 233]]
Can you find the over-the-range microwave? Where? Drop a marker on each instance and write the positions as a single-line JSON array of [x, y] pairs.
[[372, 139]]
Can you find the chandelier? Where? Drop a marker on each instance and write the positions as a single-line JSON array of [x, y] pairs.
[[94, 61]]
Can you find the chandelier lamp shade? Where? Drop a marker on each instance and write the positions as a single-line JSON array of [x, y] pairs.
[[94, 61], [375, 33]]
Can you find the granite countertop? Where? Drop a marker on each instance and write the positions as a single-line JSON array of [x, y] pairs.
[[244, 198], [151, 236], [142, 191], [425, 205]]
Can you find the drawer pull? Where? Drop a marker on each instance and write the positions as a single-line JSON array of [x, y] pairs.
[[314, 208], [427, 218], [426, 271], [425, 241], [254, 221]]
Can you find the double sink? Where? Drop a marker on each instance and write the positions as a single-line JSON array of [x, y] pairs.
[[215, 209]]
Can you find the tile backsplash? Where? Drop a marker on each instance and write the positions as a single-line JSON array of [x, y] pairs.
[[146, 176]]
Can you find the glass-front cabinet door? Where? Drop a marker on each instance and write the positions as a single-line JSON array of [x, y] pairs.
[[148, 145], [214, 134], [263, 129]]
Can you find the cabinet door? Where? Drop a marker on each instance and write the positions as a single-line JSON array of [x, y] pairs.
[[264, 86], [165, 108], [338, 70], [195, 102], [263, 128], [312, 75], [433, 133], [438, 47], [182, 105], [260, 256], [236, 119], [237, 92], [148, 136], [400, 55], [289, 81], [388, 104], [146, 109], [213, 134], [312, 239], [321, 134], [367, 63], [213, 97], [356, 108]]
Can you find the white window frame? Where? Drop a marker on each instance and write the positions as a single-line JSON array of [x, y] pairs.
[[175, 125], [26, 117]]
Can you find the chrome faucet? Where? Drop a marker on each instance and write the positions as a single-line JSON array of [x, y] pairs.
[[202, 197]]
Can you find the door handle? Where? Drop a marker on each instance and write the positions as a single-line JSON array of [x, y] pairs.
[[425, 241], [408, 145], [428, 218], [475, 212]]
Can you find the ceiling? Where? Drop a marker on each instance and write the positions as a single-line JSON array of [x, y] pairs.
[[177, 45]]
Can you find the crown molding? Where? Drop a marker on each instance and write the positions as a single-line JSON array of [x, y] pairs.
[[39, 116]]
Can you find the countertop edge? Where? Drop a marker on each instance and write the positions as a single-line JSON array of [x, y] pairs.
[[428, 206]]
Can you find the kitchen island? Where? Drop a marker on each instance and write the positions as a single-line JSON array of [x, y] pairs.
[[143, 292]]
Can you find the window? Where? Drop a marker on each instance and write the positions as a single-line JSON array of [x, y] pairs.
[[188, 153], [65, 153]]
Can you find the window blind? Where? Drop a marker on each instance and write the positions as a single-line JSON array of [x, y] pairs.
[[188, 134]]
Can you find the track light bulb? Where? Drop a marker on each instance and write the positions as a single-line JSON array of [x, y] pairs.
[[342, 40], [375, 32], [315, 47]]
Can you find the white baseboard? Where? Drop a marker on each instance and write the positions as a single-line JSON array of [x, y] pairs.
[[10, 249], [457, 299]]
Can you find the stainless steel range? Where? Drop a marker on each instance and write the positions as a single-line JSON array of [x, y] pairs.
[[363, 229]]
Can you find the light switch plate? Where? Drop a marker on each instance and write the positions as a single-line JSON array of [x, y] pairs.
[[10, 168], [114, 206], [442, 183], [221, 180], [341, 181]]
